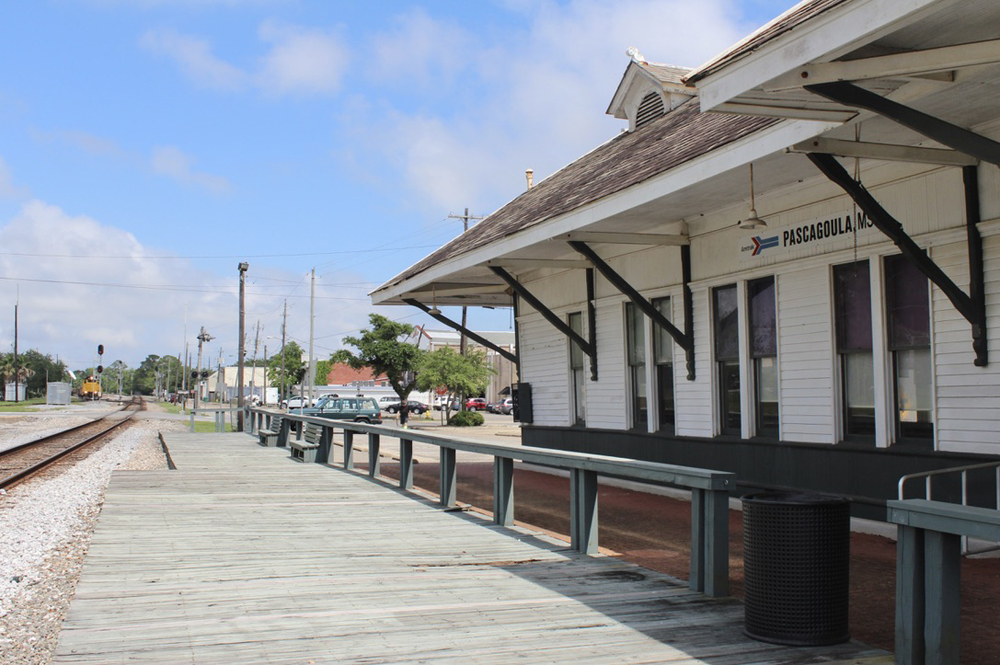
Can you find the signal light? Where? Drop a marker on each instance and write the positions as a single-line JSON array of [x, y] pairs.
[[100, 349], [100, 368]]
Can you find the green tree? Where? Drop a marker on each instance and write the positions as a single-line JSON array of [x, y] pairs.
[[37, 370], [457, 374], [295, 369], [323, 368], [381, 350], [11, 370]]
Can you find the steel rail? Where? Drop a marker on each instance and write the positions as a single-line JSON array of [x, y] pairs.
[[15, 478]]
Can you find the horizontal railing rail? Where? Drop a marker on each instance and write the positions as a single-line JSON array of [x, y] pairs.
[[709, 488]]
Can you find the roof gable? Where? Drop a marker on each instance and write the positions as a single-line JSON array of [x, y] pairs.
[[642, 79]]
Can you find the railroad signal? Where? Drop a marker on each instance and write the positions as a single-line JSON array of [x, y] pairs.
[[100, 368], [100, 349]]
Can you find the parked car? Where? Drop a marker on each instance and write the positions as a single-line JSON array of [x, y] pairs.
[[387, 401], [507, 406], [294, 402], [493, 407], [415, 407], [358, 409], [475, 404]]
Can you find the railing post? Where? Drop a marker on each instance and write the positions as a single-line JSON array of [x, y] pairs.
[[192, 421], [406, 464], [942, 591], [709, 542], [325, 450], [503, 491], [348, 450], [449, 477], [909, 595], [286, 430], [299, 427], [583, 510], [374, 461]]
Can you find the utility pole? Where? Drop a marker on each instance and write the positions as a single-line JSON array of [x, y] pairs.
[[465, 312], [17, 368], [284, 320], [253, 366], [263, 395], [312, 322], [185, 362], [244, 266], [202, 338]]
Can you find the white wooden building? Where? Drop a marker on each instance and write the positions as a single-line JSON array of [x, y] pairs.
[[842, 344]]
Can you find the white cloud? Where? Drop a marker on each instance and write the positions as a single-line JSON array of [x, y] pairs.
[[301, 61], [542, 92], [195, 59], [420, 50], [174, 163], [8, 188]]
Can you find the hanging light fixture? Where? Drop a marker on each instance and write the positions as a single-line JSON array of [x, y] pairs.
[[753, 221], [434, 311]]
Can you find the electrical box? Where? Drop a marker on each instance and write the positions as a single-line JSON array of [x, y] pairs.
[[520, 393]]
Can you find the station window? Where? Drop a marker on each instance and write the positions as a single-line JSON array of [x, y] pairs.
[[853, 313], [636, 356], [576, 364], [908, 320], [727, 356], [764, 354], [663, 352]]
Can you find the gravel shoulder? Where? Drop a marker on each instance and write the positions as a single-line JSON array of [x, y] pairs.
[[46, 526]]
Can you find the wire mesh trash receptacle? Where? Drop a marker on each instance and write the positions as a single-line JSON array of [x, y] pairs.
[[796, 555]]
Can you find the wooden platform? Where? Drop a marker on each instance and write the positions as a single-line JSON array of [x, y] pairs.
[[243, 555]]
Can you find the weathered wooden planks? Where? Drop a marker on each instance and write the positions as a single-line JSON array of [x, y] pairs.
[[242, 555]]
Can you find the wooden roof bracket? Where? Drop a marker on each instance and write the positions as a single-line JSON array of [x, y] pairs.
[[684, 339], [943, 132], [587, 347], [479, 339], [972, 306]]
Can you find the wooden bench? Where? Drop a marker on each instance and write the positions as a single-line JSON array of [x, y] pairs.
[[305, 450], [269, 437]]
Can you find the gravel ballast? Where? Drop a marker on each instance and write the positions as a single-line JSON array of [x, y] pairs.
[[45, 529]]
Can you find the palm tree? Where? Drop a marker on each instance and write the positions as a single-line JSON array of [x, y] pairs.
[[11, 370]]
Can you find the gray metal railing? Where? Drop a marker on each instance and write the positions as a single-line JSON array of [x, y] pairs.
[[928, 477], [709, 566]]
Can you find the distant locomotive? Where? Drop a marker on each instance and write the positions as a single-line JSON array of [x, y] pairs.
[[90, 389]]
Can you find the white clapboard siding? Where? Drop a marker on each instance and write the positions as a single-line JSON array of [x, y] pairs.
[[805, 355], [693, 399], [545, 365], [967, 397], [606, 396]]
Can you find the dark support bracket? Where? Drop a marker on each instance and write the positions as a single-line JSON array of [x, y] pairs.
[[685, 341], [592, 320], [688, 308], [943, 132], [479, 339], [977, 291], [547, 313], [891, 227]]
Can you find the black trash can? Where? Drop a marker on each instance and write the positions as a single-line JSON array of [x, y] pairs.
[[796, 555]]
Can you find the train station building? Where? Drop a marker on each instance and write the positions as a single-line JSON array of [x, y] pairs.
[[787, 267]]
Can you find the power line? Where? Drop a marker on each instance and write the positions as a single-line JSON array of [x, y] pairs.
[[165, 257]]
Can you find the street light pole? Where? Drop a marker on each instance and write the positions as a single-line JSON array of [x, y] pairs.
[[202, 338], [242, 352]]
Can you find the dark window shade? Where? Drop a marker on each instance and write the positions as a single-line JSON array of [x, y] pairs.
[[909, 307], [727, 338], [763, 318], [853, 298]]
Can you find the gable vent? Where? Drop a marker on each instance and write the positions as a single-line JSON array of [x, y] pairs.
[[650, 108]]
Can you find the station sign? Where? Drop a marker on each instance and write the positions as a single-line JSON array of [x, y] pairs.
[[808, 237]]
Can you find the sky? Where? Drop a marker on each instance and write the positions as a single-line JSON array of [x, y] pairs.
[[147, 147]]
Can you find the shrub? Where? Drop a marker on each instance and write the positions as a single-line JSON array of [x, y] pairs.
[[466, 419]]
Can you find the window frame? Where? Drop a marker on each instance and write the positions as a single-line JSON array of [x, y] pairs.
[[661, 369], [756, 357], [635, 372], [727, 368], [577, 391]]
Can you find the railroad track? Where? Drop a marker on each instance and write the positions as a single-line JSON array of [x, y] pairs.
[[27, 459]]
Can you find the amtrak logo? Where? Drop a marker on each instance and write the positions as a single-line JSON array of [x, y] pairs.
[[760, 244]]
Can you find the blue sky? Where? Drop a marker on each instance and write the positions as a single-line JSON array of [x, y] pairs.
[[149, 146]]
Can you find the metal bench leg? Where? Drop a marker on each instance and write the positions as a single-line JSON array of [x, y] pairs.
[[503, 491], [583, 510], [406, 464], [449, 477], [325, 450], [709, 542]]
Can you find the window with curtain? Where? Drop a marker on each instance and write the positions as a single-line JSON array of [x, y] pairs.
[[576, 368], [908, 320], [727, 356], [663, 350], [853, 313], [764, 354], [635, 340]]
